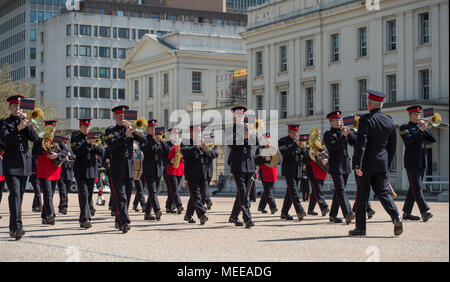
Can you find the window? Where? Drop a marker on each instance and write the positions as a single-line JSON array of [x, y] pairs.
[[85, 92], [121, 53], [115, 94], [283, 104], [114, 32], [32, 53], [95, 93], [94, 111], [172, 17], [391, 81], [104, 114], [75, 29], [68, 50], [75, 94], [310, 53], [424, 80], [104, 72], [283, 58], [75, 112], [120, 13], [133, 34], [362, 93], [68, 92], [196, 82], [121, 74], [391, 35], [95, 52], [32, 35], [141, 33], [95, 72], [362, 39], [33, 16], [85, 112], [85, 51], [48, 15], [334, 89], [166, 83], [166, 118], [424, 28], [259, 63], [104, 93], [124, 33], [75, 71], [150, 115], [114, 73], [85, 71], [309, 101], [155, 16], [114, 53], [259, 102], [136, 90], [32, 71], [334, 47], [150, 87], [68, 114], [219, 21], [102, 11], [68, 71], [121, 94], [68, 29], [95, 31], [104, 31], [104, 52], [40, 16], [75, 50]]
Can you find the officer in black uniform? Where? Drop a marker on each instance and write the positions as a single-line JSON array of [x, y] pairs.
[[205, 191], [416, 135], [106, 160], [2, 180], [337, 140], [305, 189], [85, 168], [15, 132], [170, 202], [65, 181], [374, 150], [291, 169], [243, 166], [153, 167], [120, 140], [196, 174]]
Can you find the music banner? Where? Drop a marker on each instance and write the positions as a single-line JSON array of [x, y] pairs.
[[26, 104], [130, 115]]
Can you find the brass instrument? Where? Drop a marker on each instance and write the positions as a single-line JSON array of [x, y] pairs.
[[36, 116], [49, 146], [317, 151], [178, 157], [353, 127], [435, 121], [140, 124], [162, 137]]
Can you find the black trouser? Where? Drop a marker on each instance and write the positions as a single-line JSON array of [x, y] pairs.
[[291, 197], [317, 195], [152, 184], [90, 196], [242, 181], [173, 184], [64, 186], [415, 191], [379, 183], [48, 190], [16, 186], [121, 188], [340, 198], [195, 199], [267, 197], [252, 192], [304, 188], [205, 191], [2, 186], [84, 186], [369, 206], [139, 196]]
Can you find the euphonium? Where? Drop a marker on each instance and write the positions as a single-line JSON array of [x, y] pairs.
[[178, 157], [317, 151], [49, 146]]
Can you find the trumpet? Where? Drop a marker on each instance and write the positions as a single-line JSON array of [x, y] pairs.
[[435, 121], [162, 137]]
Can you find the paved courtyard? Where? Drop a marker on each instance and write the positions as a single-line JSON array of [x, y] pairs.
[[173, 239]]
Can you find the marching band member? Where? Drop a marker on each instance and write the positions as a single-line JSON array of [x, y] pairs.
[[292, 171], [139, 197], [120, 140], [317, 178], [170, 203], [416, 135], [2, 178], [48, 171], [205, 191], [243, 167], [304, 181], [85, 169], [196, 173], [65, 181], [374, 151], [174, 174], [268, 178], [337, 140]]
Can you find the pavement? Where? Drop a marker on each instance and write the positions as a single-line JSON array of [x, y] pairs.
[[270, 240]]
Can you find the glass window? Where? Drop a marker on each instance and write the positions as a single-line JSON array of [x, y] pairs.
[[121, 94], [259, 63], [362, 38], [114, 53], [68, 114], [424, 80], [104, 31], [75, 50], [166, 118], [85, 71], [85, 113], [104, 52], [259, 102], [196, 82], [391, 35], [120, 13], [309, 101], [362, 90], [136, 90], [283, 104], [75, 29], [33, 72], [68, 92], [48, 15], [283, 58], [173, 18], [104, 114], [334, 47], [102, 11], [68, 71], [424, 28], [85, 30], [391, 81], [121, 74], [141, 33], [75, 94], [310, 53], [150, 87], [48, 2], [56, 2], [124, 33], [104, 72], [104, 93], [75, 112], [166, 83], [95, 93], [85, 51], [122, 53], [33, 16], [85, 92], [32, 35], [40, 16], [75, 71], [68, 29], [155, 16], [219, 21], [33, 53], [334, 89]]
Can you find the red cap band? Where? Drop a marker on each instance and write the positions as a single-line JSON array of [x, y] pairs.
[[376, 98]]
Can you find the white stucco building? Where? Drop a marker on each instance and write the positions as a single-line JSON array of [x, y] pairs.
[[307, 58]]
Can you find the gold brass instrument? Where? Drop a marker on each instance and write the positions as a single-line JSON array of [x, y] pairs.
[[49, 146], [317, 151], [178, 157], [436, 121], [140, 124], [36, 116]]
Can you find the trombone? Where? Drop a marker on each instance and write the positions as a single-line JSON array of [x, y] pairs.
[[435, 121], [138, 125]]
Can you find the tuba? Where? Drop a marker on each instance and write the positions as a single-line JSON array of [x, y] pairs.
[[317, 151]]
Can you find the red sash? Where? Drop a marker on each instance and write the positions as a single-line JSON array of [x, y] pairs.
[[318, 172], [45, 168]]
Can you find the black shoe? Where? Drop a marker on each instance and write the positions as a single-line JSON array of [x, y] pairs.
[[85, 224], [209, 205], [135, 208], [203, 219], [149, 217], [158, 215], [144, 206], [274, 210], [249, 205], [189, 219], [170, 211], [312, 213], [236, 221], [50, 220], [63, 211], [349, 218], [117, 226], [180, 210], [125, 228], [19, 234], [325, 211], [286, 217], [398, 227], [426, 216], [370, 213], [262, 210], [407, 216], [301, 216], [93, 211], [113, 214], [249, 224], [335, 219], [357, 232]]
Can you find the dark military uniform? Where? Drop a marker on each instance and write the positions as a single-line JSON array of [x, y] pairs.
[[268, 177], [316, 182], [106, 160], [339, 168], [196, 173], [374, 150], [16, 165], [415, 141], [85, 170], [291, 169], [65, 182], [2, 178], [122, 170], [205, 191], [37, 199]]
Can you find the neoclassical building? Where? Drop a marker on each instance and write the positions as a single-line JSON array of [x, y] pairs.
[[306, 58]]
